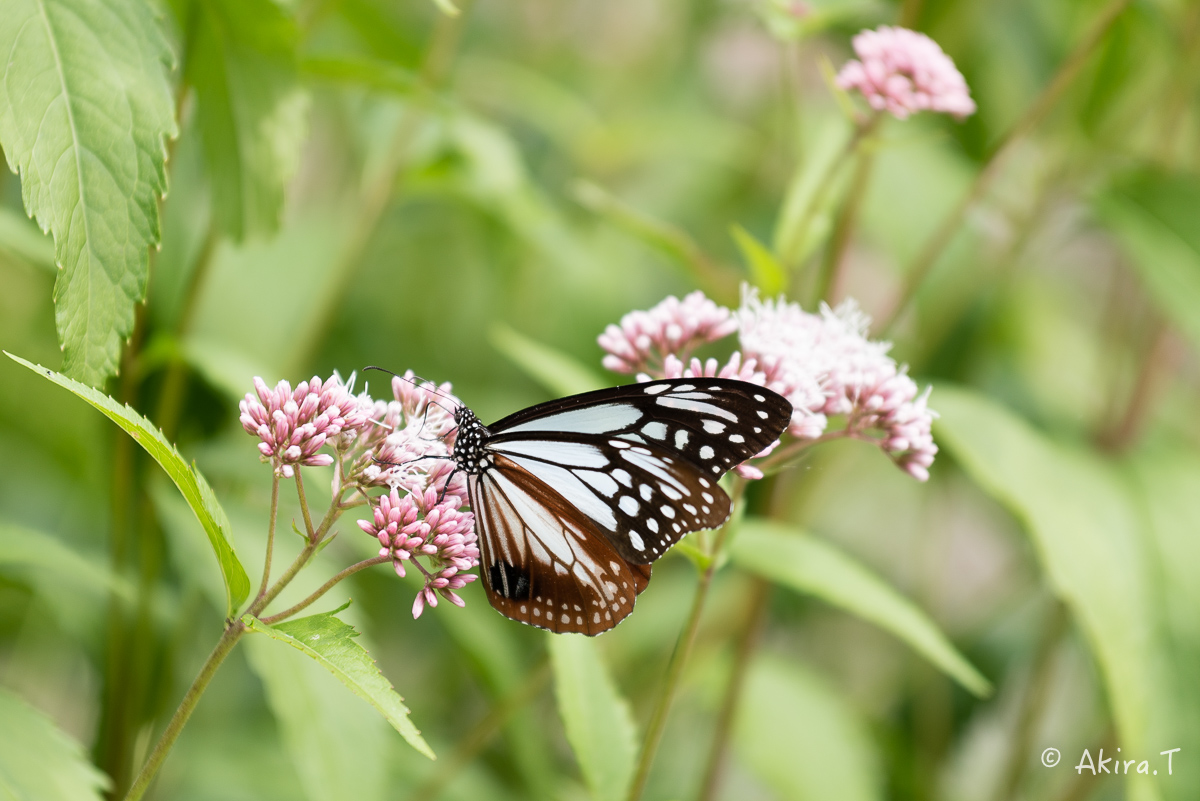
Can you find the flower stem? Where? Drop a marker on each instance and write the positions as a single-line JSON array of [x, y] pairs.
[[266, 576], [756, 615], [919, 269], [828, 279], [233, 631], [1055, 628], [683, 648], [795, 240], [308, 526], [324, 588], [384, 185]]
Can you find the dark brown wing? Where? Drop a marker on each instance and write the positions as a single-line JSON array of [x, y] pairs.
[[543, 561]]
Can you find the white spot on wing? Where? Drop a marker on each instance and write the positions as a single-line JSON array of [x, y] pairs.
[[707, 452], [622, 476], [645, 491], [668, 511], [592, 420], [652, 524], [572, 454], [655, 430], [672, 402], [654, 389], [681, 439], [714, 426], [636, 541], [628, 505], [738, 438], [601, 482]]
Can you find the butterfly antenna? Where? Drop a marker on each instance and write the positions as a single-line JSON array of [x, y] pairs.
[[433, 389], [410, 461]]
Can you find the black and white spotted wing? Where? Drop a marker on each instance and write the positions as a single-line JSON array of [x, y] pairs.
[[574, 498]]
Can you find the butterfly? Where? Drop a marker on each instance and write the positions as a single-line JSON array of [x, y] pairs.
[[575, 498]]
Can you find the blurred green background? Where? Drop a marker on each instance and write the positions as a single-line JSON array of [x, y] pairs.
[[379, 182]]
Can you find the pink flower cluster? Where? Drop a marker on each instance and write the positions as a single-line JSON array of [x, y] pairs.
[[824, 364], [412, 434], [422, 525], [674, 327], [402, 444], [828, 367], [293, 425], [903, 72]]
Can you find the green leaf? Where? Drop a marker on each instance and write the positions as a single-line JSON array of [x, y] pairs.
[[802, 738], [331, 643], [85, 106], [1085, 531], [28, 548], [1166, 482], [1154, 216], [553, 369], [186, 477], [38, 762], [805, 217], [766, 272], [338, 747], [252, 109], [21, 238], [447, 7], [809, 565], [597, 719]]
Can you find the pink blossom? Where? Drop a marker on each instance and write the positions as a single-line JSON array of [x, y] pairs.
[[824, 364], [674, 327], [903, 72], [294, 425], [430, 531], [857, 380], [409, 436]]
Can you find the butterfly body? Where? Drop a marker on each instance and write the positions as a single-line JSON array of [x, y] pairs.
[[575, 498]]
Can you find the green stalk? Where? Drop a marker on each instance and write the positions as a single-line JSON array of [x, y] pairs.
[[679, 657], [756, 616], [233, 632]]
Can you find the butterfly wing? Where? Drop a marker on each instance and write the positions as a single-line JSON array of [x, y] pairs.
[[642, 461], [543, 561]]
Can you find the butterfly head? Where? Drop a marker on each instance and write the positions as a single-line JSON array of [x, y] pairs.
[[470, 452]]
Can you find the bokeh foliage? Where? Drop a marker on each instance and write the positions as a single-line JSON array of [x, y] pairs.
[[474, 195]]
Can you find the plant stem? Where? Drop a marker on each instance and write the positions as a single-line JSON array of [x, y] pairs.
[[1124, 432], [313, 545], [756, 614], [795, 241], [233, 631], [1034, 701], [828, 279], [266, 576], [919, 268], [683, 647], [308, 526], [378, 194], [324, 588]]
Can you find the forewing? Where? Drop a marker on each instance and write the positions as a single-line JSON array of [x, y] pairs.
[[543, 562], [643, 461], [734, 418]]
